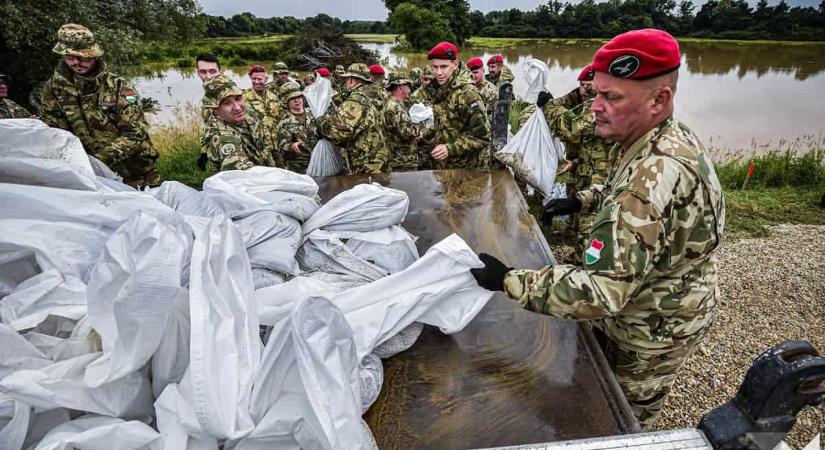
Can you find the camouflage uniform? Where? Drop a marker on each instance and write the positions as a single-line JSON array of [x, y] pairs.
[[356, 128], [274, 86], [102, 109], [11, 110], [505, 76], [400, 132], [377, 93], [649, 280], [234, 146], [294, 128], [461, 122], [489, 93], [574, 124], [265, 107]]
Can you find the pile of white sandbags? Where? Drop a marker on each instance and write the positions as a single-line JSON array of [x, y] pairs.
[[134, 319]]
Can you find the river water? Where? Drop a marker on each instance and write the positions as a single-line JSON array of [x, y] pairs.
[[735, 96]]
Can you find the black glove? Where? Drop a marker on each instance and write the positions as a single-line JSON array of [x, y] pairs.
[[491, 277], [559, 207], [544, 97], [202, 161]]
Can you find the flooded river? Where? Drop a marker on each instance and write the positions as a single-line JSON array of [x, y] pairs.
[[735, 96]]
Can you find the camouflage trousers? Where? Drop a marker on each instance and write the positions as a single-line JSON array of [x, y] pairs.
[[646, 378], [148, 179]]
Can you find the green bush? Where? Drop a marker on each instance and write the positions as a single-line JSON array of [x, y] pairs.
[[775, 170]]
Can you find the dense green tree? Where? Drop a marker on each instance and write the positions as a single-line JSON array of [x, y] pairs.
[[422, 27]]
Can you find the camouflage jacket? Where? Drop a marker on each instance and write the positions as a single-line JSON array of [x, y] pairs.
[[292, 129], [489, 93], [11, 110], [104, 112], [461, 122], [355, 126], [237, 147], [274, 87], [574, 124], [266, 107], [648, 275], [506, 76], [377, 93], [401, 136], [423, 95]]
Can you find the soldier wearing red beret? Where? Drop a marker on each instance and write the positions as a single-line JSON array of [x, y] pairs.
[[498, 72], [462, 128], [488, 91], [648, 280]]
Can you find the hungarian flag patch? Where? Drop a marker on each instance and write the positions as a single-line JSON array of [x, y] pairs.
[[130, 96], [594, 252]]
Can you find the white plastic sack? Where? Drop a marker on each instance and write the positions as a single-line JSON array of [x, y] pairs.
[[262, 278], [537, 75], [297, 206], [14, 423], [271, 240], [325, 252], [421, 113], [225, 342], [365, 207], [371, 378], [276, 302], [260, 179], [319, 96], [131, 294], [533, 154], [325, 160], [34, 139], [178, 423], [17, 353], [101, 433], [186, 200], [392, 248], [400, 342], [171, 359]]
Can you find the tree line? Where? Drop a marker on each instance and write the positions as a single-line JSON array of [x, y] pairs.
[[246, 24]]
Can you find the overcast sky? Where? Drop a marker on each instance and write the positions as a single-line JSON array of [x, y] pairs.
[[363, 9]]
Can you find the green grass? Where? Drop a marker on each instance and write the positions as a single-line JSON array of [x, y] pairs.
[[179, 146], [380, 38], [508, 42], [750, 211]]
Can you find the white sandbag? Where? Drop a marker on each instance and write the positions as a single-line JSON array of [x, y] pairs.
[[533, 154], [186, 200], [307, 393], [325, 252], [271, 240], [336, 281], [92, 432], [17, 353], [325, 160], [81, 341], [260, 179], [365, 207], [297, 206], [14, 423], [31, 138], [225, 342], [421, 113], [171, 359], [42, 423], [371, 378], [103, 171], [319, 96], [178, 423], [437, 290], [400, 342], [537, 75], [276, 302], [44, 294], [60, 385], [131, 294], [392, 248], [262, 278]]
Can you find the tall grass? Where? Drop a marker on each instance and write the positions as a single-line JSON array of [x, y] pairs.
[[178, 143]]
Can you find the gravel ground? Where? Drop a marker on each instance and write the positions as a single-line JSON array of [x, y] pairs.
[[773, 290]]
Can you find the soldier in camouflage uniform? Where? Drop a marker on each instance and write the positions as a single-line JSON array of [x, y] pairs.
[[497, 72], [489, 93], [260, 101], [376, 90], [9, 109], [280, 74], [356, 126], [206, 67], [233, 139], [297, 135], [462, 129], [102, 109], [425, 91], [399, 130], [649, 279]]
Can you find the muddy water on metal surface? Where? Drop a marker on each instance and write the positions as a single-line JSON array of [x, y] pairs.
[[511, 377], [733, 95]]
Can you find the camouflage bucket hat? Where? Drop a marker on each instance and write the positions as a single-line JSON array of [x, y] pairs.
[[358, 70], [218, 88], [290, 90], [76, 40], [339, 69], [397, 79], [426, 73], [415, 73], [280, 67]]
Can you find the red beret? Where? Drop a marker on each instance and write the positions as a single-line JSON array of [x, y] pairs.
[[256, 69], [495, 59], [587, 73], [324, 72], [375, 69], [475, 63], [639, 55], [444, 50]]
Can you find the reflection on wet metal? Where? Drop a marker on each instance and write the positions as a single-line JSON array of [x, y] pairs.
[[511, 377]]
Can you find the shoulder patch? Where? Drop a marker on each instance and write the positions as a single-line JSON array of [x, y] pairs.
[[227, 149], [130, 96]]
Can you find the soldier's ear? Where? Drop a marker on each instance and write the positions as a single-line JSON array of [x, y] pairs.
[[662, 98]]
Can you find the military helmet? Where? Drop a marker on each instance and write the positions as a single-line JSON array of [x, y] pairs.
[[427, 73], [76, 40], [280, 67], [339, 69], [358, 70], [218, 88], [398, 79], [290, 90], [415, 74]]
